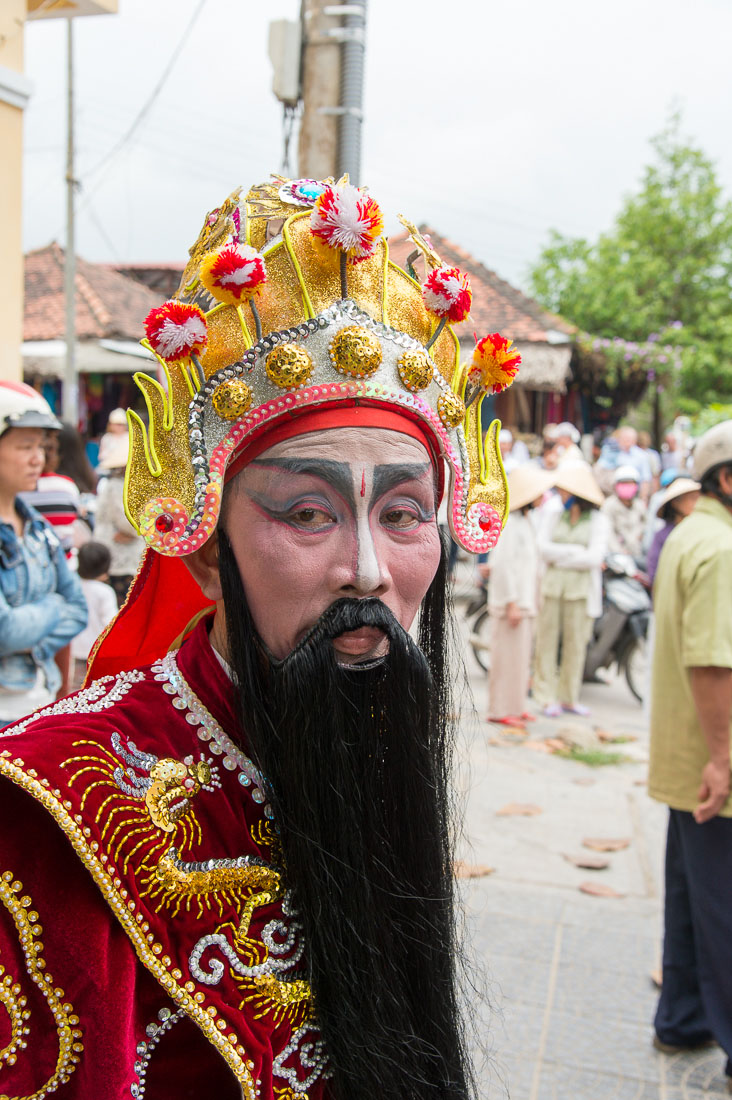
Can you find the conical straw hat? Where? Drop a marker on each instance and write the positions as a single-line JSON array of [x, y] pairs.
[[677, 488], [526, 483], [579, 480]]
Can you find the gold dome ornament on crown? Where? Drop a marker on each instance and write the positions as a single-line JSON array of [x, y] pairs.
[[289, 366], [231, 399], [451, 409], [290, 302], [355, 351], [415, 370]]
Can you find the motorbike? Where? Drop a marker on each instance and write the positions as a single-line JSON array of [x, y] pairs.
[[620, 634]]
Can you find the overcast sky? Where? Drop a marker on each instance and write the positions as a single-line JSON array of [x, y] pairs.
[[494, 122]]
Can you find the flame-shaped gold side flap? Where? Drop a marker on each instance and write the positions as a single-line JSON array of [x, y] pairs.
[[487, 477], [160, 457]]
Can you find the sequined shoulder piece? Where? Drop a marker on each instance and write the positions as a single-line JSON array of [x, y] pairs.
[[99, 696], [170, 818]]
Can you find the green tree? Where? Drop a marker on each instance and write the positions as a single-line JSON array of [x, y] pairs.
[[663, 271]]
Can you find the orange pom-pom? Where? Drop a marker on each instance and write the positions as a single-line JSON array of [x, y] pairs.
[[495, 363]]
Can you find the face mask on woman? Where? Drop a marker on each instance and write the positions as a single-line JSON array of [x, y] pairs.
[[626, 490]]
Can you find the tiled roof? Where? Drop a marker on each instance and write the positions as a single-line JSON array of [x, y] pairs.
[[164, 279], [113, 301], [108, 304], [497, 306]]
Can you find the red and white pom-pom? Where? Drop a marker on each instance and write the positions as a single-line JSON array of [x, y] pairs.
[[176, 330], [446, 292], [495, 363], [347, 220], [233, 274]]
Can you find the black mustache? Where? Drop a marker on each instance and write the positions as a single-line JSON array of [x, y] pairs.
[[349, 614]]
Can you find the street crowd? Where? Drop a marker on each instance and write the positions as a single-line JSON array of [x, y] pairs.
[[579, 511]]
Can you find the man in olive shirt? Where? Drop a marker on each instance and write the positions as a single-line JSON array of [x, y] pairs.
[[691, 726]]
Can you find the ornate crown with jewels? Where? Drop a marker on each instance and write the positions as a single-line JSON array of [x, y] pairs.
[[290, 302]]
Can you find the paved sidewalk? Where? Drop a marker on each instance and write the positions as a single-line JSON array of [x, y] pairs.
[[571, 997]]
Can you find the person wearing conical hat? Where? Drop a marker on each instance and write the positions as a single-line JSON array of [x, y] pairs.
[[512, 598], [573, 540], [236, 840], [676, 503]]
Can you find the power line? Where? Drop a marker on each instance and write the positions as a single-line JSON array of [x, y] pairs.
[[129, 134]]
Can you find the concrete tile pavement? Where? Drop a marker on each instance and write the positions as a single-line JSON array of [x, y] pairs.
[[571, 1001]]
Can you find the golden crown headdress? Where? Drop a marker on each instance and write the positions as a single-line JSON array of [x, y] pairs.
[[290, 302]]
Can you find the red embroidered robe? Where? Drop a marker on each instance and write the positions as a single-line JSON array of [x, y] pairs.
[[148, 945]]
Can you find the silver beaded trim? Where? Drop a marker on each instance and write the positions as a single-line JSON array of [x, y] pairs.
[[288, 932], [174, 683], [310, 1056], [214, 975], [165, 1021], [98, 696]]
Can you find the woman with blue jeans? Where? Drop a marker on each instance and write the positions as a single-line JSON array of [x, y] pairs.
[[42, 606]]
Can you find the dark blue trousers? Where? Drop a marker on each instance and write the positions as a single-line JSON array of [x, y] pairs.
[[696, 997]]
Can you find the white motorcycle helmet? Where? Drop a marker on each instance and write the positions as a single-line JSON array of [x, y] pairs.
[[22, 407]]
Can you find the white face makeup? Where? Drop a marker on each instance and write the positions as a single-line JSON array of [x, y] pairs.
[[343, 513]]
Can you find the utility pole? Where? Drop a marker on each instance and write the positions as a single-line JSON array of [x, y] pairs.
[[71, 383], [329, 84], [321, 80], [353, 39]]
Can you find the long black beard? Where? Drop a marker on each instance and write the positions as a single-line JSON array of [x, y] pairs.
[[357, 763]]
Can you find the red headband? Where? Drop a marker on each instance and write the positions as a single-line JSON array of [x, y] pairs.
[[345, 415]]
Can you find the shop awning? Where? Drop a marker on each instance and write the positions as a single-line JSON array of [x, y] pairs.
[[47, 358]]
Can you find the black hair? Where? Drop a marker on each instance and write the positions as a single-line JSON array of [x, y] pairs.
[[73, 461], [94, 560], [357, 765], [584, 505], [710, 485]]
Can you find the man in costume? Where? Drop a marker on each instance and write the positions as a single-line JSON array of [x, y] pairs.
[[227, 861]]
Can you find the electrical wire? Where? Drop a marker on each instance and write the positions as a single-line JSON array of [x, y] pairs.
[[145, 109]]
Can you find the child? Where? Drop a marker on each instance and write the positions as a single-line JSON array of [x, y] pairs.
[[94, 562]]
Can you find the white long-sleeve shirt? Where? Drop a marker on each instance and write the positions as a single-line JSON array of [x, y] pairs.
[[515, 567], [572, 556]]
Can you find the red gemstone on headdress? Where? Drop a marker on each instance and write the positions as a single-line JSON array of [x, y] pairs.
[[164, 523], [484, 522]]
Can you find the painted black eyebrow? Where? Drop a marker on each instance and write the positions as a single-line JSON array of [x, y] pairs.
[[388, 476], [337, 474]]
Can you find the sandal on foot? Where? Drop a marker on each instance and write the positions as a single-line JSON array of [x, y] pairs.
[[576, 708]]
